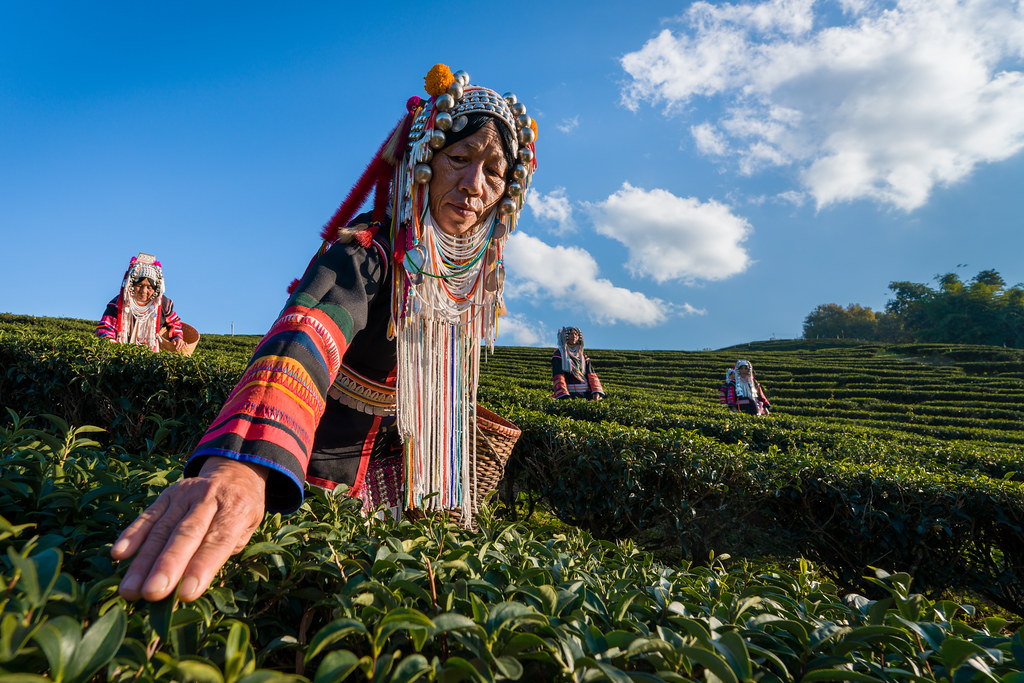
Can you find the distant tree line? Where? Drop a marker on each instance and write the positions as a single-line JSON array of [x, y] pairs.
[[982, 311]]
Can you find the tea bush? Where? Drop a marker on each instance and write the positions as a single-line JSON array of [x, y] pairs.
[[856, 468], [326, 595]]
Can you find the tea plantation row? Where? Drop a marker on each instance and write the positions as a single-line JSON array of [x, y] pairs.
[[323, 594]]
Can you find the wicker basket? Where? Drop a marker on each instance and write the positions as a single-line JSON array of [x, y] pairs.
[[495, 437], [190, 336]]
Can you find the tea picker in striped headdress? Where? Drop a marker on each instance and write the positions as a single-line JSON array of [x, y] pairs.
[[372, 365], [572, 374]]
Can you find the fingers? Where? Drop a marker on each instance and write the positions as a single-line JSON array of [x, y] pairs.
[[190, 531], [131, 539], [227, 535], [171, 550], [164, 539]]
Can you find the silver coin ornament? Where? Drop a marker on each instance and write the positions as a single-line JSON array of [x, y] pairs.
[[443, 121], [413, 263], [499, 231], [459, 123], [437, 139], [422, 173], [495, 279]]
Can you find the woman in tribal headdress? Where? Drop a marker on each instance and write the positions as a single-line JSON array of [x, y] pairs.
[[141, 312], [745, 393], [572, 374], [376, 350]]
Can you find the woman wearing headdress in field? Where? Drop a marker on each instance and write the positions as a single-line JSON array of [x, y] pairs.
[[375, 353], [140, 313], [745, 394], [572, 374]]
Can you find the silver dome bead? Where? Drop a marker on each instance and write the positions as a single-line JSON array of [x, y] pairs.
[[443, 121], [422, 173], [510, 98], [507, 206], [514, 189], [462, 77], [445, 102], [526, 136], [437, 139], [519, 172], [518, 108], [523, 120], [526, 154], [455, 90]]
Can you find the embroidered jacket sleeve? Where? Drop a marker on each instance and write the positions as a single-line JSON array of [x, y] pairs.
[[595, 384], [559, 389], [764, 398], [169, 318], [107, 329], [730, 397], [271, 416]]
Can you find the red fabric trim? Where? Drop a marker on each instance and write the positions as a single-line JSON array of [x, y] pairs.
[[364, 457], [322, 483]]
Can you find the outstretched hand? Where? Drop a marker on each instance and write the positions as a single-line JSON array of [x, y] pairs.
[[188, 533]]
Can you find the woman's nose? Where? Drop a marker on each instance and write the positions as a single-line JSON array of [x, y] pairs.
[[472, 180]]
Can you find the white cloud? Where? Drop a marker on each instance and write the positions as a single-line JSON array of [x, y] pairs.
[[568, 125], [709, 140], [567, 277], [674, 238], [554, 206], [516, 329], [901, 98], [792, 197]]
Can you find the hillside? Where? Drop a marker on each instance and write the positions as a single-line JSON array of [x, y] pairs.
[[879, 463]]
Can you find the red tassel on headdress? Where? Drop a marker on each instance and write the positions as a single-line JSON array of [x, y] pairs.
[[378, 172]]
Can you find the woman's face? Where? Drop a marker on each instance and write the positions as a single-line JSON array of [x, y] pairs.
[[468, 180], [143, 291], [744, 371], [572, 337]]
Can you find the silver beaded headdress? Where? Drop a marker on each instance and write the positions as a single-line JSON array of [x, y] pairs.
[[454, 98]]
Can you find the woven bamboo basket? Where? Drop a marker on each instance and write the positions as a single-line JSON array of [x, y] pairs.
[[495, 438], [190, 336]]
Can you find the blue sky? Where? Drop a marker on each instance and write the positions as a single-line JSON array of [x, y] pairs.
[[708, 172]]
